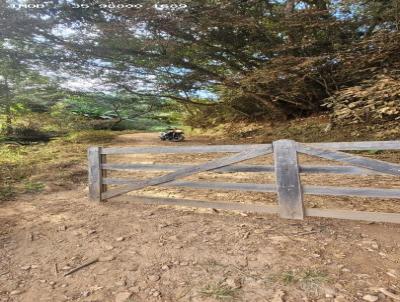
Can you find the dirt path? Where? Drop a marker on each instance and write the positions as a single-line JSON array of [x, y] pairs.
[[150, 253]]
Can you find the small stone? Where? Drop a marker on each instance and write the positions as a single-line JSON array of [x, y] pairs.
[[134, 267], [153, 278], [156, 293], [106, 258], [340, 299], [370, 298], [119, 239], [52, 283], [329, 292], [165, 267], [184, 263], [85, 293], [122, 296], [26, 267], [108, 247], [120, 283], [135, 289], [91, 232], [233, 282]]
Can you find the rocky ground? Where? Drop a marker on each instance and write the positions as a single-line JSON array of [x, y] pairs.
[[136, 252]]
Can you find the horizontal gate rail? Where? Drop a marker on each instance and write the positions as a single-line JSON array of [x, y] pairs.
[[242, 168], [186, 149], [267, 209], [357, 146], [251, 187], [290, 203]]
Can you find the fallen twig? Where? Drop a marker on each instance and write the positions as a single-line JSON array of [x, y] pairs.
[[81, 266], [55, 269], [306, 233]]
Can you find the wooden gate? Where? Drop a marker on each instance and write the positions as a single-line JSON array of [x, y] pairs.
[[286, 168]]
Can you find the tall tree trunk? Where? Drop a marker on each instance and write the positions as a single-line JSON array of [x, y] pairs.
[[8, 125], [8, 112]]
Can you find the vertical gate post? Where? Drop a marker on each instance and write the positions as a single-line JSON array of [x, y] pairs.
[[288, 184], [95, 173]]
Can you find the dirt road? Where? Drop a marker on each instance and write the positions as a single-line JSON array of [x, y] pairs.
[[149, 253]]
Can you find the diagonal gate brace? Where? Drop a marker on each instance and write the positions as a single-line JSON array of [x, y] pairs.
[[359, 161], [187, 171]]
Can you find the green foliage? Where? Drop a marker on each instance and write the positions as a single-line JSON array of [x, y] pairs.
[[221, 61], [34, 187], [90, 136], [19, 163], [219, 291], [6, 192]]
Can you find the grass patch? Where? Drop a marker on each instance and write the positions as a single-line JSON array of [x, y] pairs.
[[34, 187], [311, 275], [219, 291], [90, 136], [309, 280], [53, 161]]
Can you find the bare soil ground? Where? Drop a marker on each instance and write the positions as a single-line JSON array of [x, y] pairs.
[[150, 253]]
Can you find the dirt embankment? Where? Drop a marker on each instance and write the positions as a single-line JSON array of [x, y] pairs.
[[150, 253]]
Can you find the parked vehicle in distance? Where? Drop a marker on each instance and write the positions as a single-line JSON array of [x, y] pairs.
[[173, 135]]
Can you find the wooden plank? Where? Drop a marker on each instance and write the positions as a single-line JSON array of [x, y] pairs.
[[267, 209], [200, 204], [290, 195], [354, 215], [242, 168], [336, 170], [203, 185], [348, 191], [174, 167], [183, 149], [371, 145], [184, 172], [251, 187], [103, 159], [363, 162], [95, 182]]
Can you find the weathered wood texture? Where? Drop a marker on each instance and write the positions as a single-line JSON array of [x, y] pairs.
[[267, 209], [103, 160], [184, 149], [363, 162], [242, 168], [288, 186], [95, 173], [354, 215], [184, 172], [378, 145], [268, 188], [201, 204], [343, 146]]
